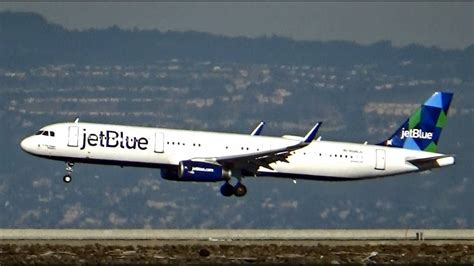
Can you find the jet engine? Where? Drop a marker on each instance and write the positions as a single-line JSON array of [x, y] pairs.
[[202, 172], [170, 173]]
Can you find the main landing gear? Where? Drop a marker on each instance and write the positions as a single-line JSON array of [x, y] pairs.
[[67, 178], [239, 190]]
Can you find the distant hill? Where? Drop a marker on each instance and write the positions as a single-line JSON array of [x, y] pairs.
[[200, 81], [29, 39]]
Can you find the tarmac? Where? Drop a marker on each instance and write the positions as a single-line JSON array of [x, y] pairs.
[[235, 246], [236, 234]]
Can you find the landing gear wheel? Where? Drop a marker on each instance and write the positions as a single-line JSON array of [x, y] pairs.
[[227, 190], [240, 190], [69, 166], [67, 179]]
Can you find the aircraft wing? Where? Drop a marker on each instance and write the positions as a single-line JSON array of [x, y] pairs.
[[252, 161]]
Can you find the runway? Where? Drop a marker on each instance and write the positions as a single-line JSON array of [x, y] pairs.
[[237, 234], [203, 246]]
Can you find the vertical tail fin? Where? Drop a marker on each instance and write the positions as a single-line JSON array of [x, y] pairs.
[[422, 129]]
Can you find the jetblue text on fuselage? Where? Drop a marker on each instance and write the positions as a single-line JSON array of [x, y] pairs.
[[113, 139], [416, 134]]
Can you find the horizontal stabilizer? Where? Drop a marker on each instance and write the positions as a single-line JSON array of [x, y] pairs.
[[432, 162]]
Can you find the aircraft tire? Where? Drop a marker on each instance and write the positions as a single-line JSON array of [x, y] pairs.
[[227, 190], [240, 190], [67, 179]]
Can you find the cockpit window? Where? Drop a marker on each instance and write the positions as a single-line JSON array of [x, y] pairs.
[[45, 133]]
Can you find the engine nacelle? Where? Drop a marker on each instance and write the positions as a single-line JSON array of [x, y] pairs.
[[202, 172], [170, 173]]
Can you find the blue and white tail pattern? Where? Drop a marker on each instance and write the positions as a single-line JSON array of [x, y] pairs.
[[421, 131]]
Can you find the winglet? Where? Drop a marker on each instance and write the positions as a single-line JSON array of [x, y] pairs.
[[258, 129], [312, 133]]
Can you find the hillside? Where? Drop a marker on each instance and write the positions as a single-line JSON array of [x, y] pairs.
[[201, 81]]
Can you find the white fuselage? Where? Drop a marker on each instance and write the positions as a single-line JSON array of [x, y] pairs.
[[160, 147]]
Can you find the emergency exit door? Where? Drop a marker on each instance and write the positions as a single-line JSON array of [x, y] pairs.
[[159, 142], [380, 159]]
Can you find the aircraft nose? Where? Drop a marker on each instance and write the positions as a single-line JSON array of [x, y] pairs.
[[27, 144]]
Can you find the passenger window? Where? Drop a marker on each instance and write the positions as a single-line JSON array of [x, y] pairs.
[[51, 133], [45, 133]]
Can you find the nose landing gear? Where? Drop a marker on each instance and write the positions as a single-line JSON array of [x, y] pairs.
[[68, 177]]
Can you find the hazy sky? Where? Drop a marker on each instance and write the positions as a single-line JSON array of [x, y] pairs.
[[447, 25]]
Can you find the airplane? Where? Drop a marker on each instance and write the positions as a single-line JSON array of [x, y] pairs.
[[198, 156]]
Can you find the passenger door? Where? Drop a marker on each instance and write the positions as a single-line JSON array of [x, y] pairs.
[[73, 136]]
